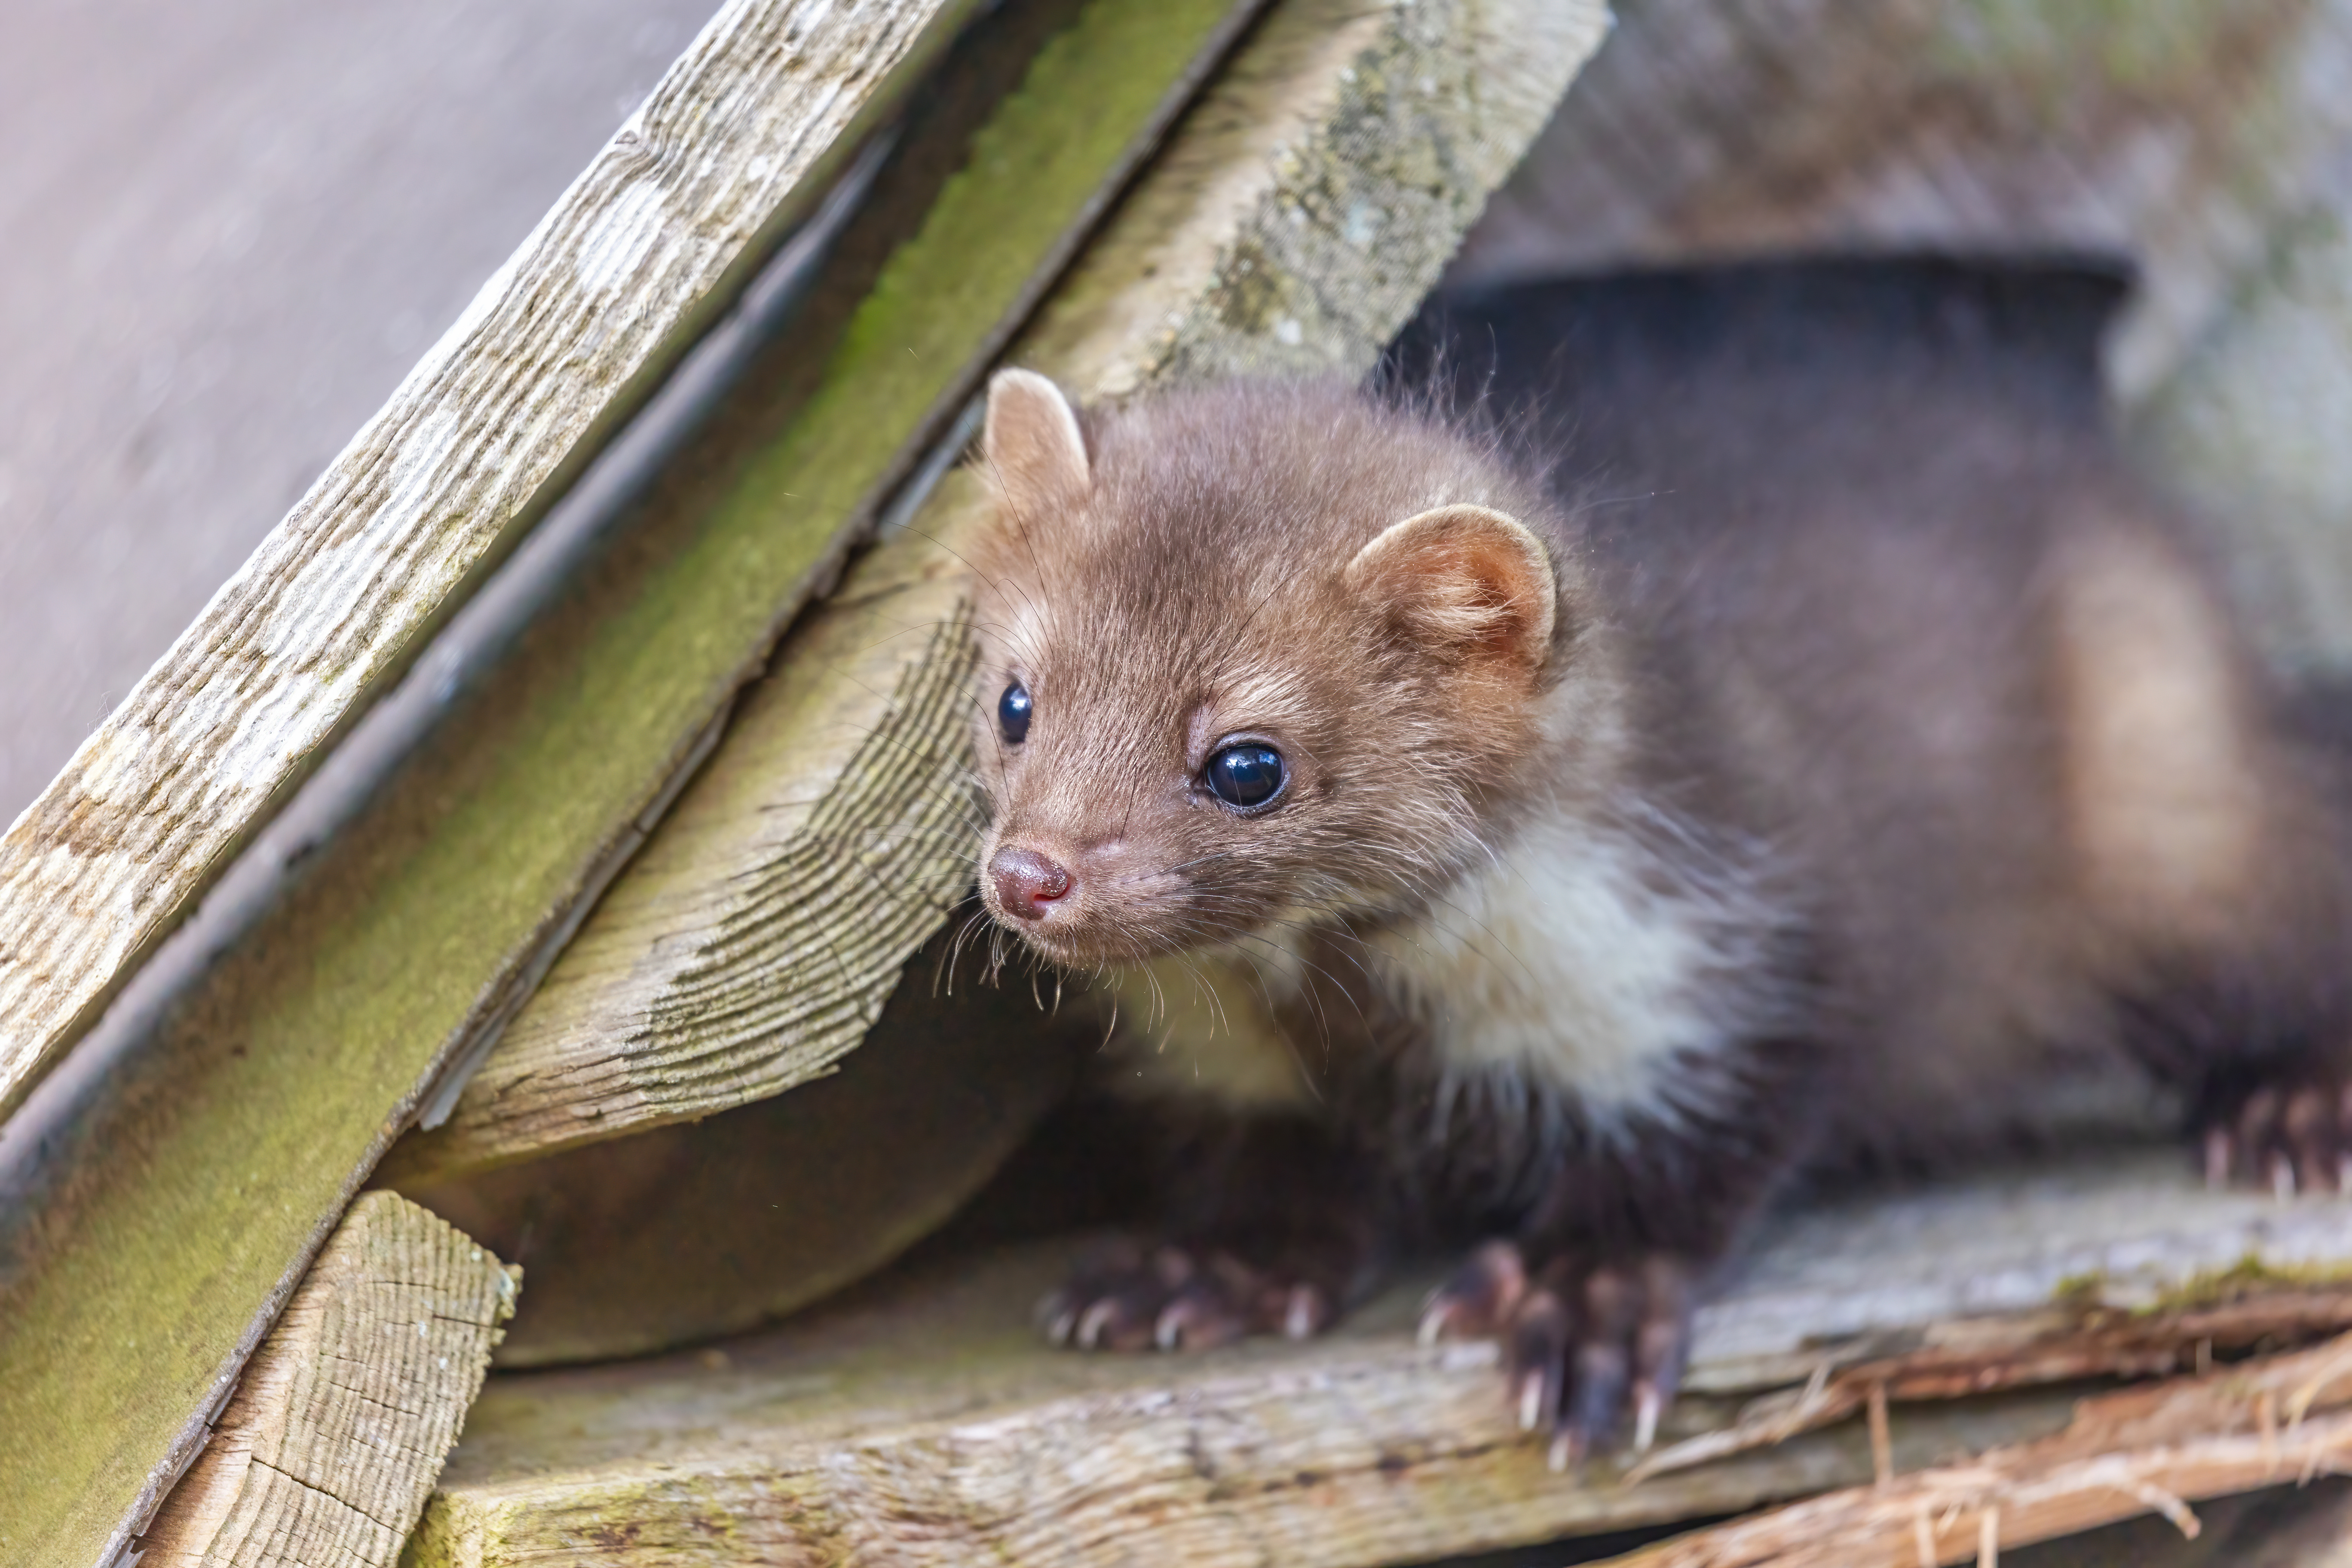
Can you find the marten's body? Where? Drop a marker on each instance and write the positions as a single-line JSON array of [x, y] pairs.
[[1829, 755]]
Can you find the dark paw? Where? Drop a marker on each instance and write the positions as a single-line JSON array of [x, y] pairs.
[[1586, 1339], [2291, 1136], [1175, 1298]]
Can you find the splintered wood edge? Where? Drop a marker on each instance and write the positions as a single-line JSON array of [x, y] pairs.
[[1092, 103], [562, 340], [138, 1311], [332, 1440], [2154, 1450], [1292, 223], [923, 1395], [923, 1422]]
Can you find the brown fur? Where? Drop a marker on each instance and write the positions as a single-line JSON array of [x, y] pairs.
[[1889, 759]]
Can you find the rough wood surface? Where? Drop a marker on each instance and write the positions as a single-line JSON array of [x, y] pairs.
[[173, 1205], [920, 1420], [1293, 221], [2155, 1449], [176, 1201], [329, 1447], [841, 776], [679, 1234], [559, 343]]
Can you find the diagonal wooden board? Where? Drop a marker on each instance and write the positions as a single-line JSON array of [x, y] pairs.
[[332, 1442], [171, 1205], [920, 1421], [731, 147], [1294, 222]]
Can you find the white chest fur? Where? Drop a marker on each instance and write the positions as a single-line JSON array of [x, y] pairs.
[[1579, 960]]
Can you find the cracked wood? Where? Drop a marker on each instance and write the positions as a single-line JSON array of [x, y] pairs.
[[1293, 221], [329, 1445], [560, 343], [921, 1420]]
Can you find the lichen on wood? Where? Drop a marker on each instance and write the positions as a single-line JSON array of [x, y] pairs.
[[329, 1447], [685, 995], [2152, 1450], [559, 344], [719, 968], [920, 1419]]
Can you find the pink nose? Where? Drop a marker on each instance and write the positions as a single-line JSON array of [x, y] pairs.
[[1027, 882]]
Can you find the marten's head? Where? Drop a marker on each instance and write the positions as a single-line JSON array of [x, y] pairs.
[[1251, 654]]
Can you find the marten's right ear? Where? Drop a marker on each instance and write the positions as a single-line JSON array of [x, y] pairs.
[[1465, 581], [1031, 442]]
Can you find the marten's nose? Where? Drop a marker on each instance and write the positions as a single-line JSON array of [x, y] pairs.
[[1027, 882]]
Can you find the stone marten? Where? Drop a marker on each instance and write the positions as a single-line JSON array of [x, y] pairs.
[[1677, 732]]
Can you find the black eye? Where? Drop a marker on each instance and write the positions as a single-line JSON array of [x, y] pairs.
[[1012, 713], [1246, 775]]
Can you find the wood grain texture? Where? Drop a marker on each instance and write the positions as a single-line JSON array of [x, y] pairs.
[[329, 1447], [1293, 222], [693, 1230], [2150, 1451], [841, 781], [179, 1200], [920, 1420], [559, 344]]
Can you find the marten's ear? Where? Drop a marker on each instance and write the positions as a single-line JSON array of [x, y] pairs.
[[1031, 442], [1467, 582]]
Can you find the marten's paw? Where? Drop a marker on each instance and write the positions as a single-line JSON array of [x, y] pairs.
[[1174, 1297], [2291, 1135], [1585, 1338]]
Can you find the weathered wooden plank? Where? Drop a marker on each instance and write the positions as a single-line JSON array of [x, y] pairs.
[[561, 341], [170, 1206], [1292, 225], [2150, 1451], [329, 1447], [677, 1234], [922, 1421]]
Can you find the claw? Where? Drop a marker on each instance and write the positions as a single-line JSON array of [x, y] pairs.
[[1648, 1408], [2217, 1158], [1302, 1315], [1433, 1318], [1168, 1328], [1532, 1401], [2281, 1177], [1091, 1327]]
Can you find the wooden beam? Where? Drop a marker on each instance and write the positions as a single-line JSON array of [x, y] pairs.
[[921, 1420], [697, 1229], [562, 342], [1292, 225], [329, 1447], [2151, 1450], [169, 1207]]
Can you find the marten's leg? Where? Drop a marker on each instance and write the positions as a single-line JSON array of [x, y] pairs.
[[1270, 1225], [1592, 1294], [2212, 826]]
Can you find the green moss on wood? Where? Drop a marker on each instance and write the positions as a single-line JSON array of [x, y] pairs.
[[254, 1128], [2251, 1275]]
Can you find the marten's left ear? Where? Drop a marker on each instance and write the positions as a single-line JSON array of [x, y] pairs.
[[1467, 582], [1031, 442]]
